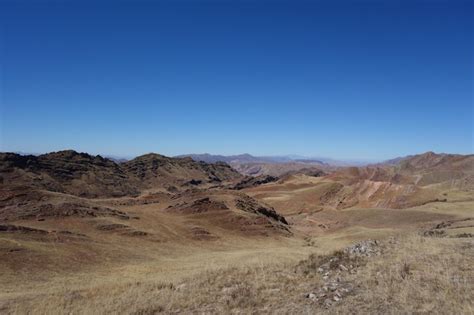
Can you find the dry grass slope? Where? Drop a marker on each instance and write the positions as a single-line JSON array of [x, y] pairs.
[[413, 274]]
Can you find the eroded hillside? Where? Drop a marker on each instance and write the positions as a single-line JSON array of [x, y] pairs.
[[74, 226]]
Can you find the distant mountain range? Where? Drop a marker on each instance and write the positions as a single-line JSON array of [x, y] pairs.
[[247, 158], [211, 158], [272, 165], [397, 183]]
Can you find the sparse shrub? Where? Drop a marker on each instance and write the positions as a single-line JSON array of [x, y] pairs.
[[150, 310], [240, 296], [165, 285], [405, 271]]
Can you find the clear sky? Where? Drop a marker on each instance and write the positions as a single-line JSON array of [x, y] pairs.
[[341, 79]]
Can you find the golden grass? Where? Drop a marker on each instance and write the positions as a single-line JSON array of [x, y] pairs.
[[417, 275], [414, 274]]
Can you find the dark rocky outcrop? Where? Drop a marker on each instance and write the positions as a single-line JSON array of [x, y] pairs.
[[200, 206], [249, 204], [84, 175], [250, 181], [314, 172], [25, 203], [69, 172], [154, 170]]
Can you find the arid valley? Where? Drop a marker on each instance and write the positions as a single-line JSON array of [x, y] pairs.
[[83, 234], [236, 157]]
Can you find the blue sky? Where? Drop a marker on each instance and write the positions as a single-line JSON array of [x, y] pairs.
[[341, 79]]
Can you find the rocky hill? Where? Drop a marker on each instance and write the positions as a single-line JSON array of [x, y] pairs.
[[155, 170], [410, 181], [68, 171], [278, 169], [84, 175], [212, 158], [433, 161], [250, 165]]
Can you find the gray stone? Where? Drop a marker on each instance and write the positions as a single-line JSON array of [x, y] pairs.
[[311, 296]]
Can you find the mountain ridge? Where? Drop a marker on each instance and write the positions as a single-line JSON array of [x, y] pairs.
[[85, 175]]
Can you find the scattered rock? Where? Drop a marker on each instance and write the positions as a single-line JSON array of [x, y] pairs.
[[441, 229], [364, 248], [311, 296], [335, 268], [181, 287]]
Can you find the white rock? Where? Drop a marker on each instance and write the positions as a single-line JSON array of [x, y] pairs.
[[311, 296]]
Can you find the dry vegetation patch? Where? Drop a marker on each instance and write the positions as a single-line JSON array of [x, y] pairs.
[[416, 275], [409, 274]]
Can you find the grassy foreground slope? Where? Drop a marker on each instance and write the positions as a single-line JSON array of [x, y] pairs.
[[404, 274]]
